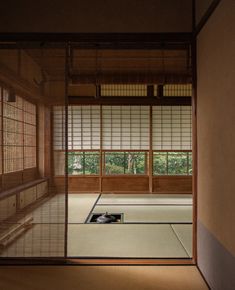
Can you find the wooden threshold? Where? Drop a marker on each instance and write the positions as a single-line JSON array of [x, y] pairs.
[[96, 261], [131, 261]]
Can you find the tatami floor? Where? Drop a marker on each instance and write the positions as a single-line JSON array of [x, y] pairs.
[[153, 226]]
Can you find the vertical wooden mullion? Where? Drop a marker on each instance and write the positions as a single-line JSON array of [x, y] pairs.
[[37, 139], [111, 121], [167, 167], [81, 126], [194, 145], [23, 137], [83, 162], [66, 79], [150, 169], [72, 133], [171, 128], [49, 169], [121, 147], [101, 150], [91, 137], [2, 136], [187, 163]]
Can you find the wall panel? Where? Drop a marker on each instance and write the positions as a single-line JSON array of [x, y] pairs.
[[125, 183], [172, 184], [216, 151], [83, 184]]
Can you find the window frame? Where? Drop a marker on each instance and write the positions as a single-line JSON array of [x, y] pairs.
[[124, 152], [22, 122], [188, 152]]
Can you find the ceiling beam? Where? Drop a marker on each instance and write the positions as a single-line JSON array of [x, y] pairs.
[[165, 101], [131, 78]]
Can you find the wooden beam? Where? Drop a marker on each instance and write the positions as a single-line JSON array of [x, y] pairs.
[[206, 16], [131, 78], [168, 101], [105, 40]]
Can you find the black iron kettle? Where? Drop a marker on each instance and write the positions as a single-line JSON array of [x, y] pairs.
[[106, 218]]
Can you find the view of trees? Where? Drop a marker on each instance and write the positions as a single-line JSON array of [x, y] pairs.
[[164, 163], [83, 163], [172, 163], [125, 162]]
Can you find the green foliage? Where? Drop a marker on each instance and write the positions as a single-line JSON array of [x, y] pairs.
[[83, 163], [164, 163], [172, 163], [125, 163], [160, 163], [177, 163]]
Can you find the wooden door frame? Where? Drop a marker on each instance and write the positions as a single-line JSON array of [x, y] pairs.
[[111, 41]]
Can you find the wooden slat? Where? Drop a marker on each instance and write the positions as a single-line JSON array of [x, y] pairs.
[[172, 184], [84, 184], [125, 183]]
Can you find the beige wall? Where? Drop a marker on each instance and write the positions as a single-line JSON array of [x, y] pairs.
[[96, 16], [216, 125]]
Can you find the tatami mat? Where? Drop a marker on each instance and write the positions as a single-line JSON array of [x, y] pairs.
[[184, 233], [149, 213], [92, 240], [46, 237], [145, 199], [42, 240], [51, 211], [79, 206]]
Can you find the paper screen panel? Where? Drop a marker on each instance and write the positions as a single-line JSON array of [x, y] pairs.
[[172, 128]]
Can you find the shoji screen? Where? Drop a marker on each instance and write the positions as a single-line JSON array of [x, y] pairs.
[[58, 127], [125, 127], [13, 134], [30, 132], [83, 127], [123, 90], [59, 139], [172, 128]]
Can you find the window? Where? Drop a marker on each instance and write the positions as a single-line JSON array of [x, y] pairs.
[[172, 128], [83, 134], [83, 163], [126, 90], [29, 135], [59, 127], [83, 127], [121, 134], [12, 134], [125, 127], [172, 163], [19, 134], [177, 90], [125, 162], [174, 90]]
